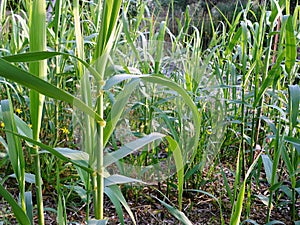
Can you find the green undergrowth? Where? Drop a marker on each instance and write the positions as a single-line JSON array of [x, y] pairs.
[[101, 99]]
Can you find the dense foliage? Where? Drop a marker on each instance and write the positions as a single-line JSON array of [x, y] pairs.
[[185, 98]]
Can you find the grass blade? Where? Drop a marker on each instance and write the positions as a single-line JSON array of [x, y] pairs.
[[175, 212], [27, 79], [291, 49], [18, 212]]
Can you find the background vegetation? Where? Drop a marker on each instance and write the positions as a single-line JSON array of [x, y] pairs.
[[149, 112]]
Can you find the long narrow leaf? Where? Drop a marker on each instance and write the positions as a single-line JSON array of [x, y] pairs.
[[24, 78], [175, 212], [130, 148], [18, 212], [291, 48]]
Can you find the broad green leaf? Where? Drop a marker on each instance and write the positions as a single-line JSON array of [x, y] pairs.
[[41, 55], [294, 99], [15, 150], [53, 152], [119, 78], [18, 212], [290, 43], [29, 177], [264, 199], [118, 108], [130, 148], [269, 79], [176, 213], [287, 191], [73, 154], [177, 154], [292, 140], [119, 179], [115, 190], [29, 205], [238, 207], [113, 198], [28, 80], [268, 164]]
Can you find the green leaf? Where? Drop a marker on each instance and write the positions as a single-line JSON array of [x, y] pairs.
[[264, 199], [117, 109], [175, 212], [29, 205], [119, 179], [29, 177], [292, 140], [237, 209], [61, 211], [269, 79], [291, 48], [54, 152], [27, 79], [115, 190], [177, 154], [294, 99], [18, 212], [130, 148], [268, 164], [41, 55]]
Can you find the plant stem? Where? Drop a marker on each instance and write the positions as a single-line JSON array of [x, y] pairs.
[[37, 34], [100, 168]]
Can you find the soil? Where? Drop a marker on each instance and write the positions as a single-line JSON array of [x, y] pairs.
[[198, 207]]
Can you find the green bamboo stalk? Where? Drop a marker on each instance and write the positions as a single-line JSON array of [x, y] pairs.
[[87, 98], [37, 36], [105, 40]]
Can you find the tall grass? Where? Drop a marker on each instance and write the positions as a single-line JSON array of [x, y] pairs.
[[117, 72]]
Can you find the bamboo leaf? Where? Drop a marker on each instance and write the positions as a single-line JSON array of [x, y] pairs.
[[53, 152], [115, 190], [28, 80], [294, 100], [269, 79], [177, 154], [117, 206], [268, 164], [41, 55], [130, 148], [118, 108], [18, 212], [119, 179], [237, 209], [175, 212], [290, 43], [29, 205]]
